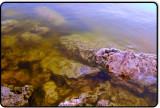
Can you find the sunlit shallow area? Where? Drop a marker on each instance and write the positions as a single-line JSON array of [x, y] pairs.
[[78, 54]]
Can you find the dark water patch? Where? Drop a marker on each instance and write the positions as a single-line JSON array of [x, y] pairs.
[[150, 97], [60, 80], [37, 97], [102, 76], [25, 64], [132, 87]]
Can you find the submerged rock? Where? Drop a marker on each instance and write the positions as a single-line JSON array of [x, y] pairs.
[[118, 96], [24, 55], [83, 46], [83, 99], [72, 102], [92, 99], [15, 78], [16, 97], [8, 25], [27, 36], [126, 98], [39, 30], [8, 41], [104, 94], [128, 85], [103, 102], [51, 95], [65, 67], [40, 77], [141, 68], [103, 88], [4, 63]]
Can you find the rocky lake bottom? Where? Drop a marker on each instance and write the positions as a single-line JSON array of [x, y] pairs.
[[40, 67]]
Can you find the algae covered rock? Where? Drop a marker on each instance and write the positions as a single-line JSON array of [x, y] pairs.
[[105, 96], [51, 95], [16, 97], [8, 41], [126, 98], [4, 63], [83, 46], [90, 99], [65, 67], [84, 99], [40, 77], [103, 88], [14, 78], [118, 96], [8, 25], [24, 55], [128, 85], [39, 29], [27, 36]]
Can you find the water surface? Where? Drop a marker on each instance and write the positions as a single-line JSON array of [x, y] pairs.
[[131, 25]]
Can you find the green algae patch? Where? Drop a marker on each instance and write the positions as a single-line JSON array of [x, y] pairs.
[[40, 30], [24, 55], [84, 46], [8, 41], [51, 95], [30, 37]]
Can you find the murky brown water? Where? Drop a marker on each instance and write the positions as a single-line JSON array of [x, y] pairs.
[[23, 50]]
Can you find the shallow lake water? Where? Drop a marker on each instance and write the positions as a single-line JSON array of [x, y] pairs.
[[127, 25]]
